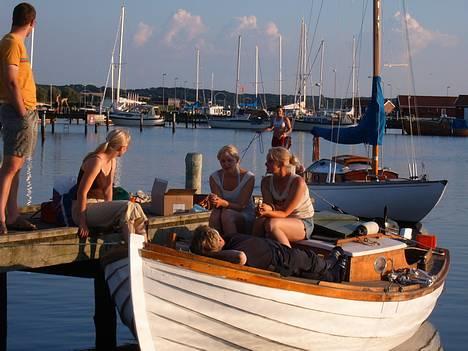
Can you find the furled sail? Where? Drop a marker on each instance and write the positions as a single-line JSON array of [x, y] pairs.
[[370, 128]]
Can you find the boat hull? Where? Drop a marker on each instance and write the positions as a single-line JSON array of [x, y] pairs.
[[307, 126], [179, 308], [406, 201], [131, 120], [230, 123]]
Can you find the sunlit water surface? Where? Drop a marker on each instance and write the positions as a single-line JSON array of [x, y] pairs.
[[56, 313]]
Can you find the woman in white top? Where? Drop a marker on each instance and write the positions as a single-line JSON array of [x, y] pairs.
[[286, 214], [281, 127], [231, 195]]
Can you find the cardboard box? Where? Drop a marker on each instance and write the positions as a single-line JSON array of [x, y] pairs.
[[178, 200], [166, 203]]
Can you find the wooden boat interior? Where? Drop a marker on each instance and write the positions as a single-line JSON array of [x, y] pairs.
[[351, 168], [371, 259]]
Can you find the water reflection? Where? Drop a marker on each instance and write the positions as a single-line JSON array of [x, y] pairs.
[[427, 338]]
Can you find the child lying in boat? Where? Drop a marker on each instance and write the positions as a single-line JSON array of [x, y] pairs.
[[269, 254]]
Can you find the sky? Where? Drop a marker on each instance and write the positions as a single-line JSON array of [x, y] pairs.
[[74, 42]]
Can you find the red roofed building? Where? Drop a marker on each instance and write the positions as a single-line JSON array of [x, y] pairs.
[[429, 106]]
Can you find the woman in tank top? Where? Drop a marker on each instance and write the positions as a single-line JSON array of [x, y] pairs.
[[286, 213], [281, 127], [92, 205], [231, 194]]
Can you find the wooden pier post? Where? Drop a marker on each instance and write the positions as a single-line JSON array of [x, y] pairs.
[[141, 122], [3, 311], [173, 122], [186, 120], [52, 124], [105, 319], [42, 127], [193, 171], [85, 124], [107, 121], [95, 127]]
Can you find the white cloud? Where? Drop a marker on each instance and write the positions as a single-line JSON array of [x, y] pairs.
[[421, 37], [272, 31], [144, 32], [184, 28], [244, 23]]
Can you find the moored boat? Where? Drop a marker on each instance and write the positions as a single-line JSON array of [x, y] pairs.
[[256, 120], [145, 115], [364, 188], [182, 300], [443, 126]]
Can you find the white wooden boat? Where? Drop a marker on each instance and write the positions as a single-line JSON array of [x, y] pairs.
[[146, 115], [184, 301], [118, 280]]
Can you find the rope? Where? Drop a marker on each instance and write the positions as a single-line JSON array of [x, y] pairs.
[[258, 136]]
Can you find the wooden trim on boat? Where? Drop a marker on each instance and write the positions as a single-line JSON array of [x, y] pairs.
[[225, 270]]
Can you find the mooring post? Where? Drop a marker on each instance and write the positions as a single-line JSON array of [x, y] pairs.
[[186, 119], [52, 124], [193, 171], [107, 121], [141, 122], [85, 124], [3, 311], [42, 126], [173, 122], [105, 319]]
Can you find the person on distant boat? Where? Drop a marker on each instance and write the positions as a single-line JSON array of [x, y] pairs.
[[18, 115], [286, 212], [269, 255], [231, 194], [281, 127], [93, 205]]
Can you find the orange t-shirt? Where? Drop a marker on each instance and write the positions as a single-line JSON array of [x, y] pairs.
[[13, 52]]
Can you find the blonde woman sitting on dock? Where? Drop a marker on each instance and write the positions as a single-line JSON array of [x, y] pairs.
[[231, 194], [286, 214], [93, 206]]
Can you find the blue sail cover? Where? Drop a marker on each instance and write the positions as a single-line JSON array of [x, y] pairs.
[[370, 128]]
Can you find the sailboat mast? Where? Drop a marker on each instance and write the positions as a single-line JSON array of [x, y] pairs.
[[304, 65], [353, 69], [212, 86], [280, 69], [119, 71], [377, 68], [239, 41], [321, 75], [198, 74], [256, 74]]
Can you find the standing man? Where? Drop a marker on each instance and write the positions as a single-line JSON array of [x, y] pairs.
[[18, 114]]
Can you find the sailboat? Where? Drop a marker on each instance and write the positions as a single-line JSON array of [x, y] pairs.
[[243, 117], [122, 112], [357, 185], [306, 119]]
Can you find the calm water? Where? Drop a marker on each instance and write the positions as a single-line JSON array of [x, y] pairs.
[[56, 313]]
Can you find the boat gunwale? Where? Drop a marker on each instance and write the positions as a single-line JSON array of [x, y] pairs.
[[347, 291]]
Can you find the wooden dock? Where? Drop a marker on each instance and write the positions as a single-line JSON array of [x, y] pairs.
[[59, 250]]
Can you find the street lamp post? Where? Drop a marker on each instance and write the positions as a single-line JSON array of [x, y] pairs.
[[390, 85], [448, 87], [163, 77], [185, 91]]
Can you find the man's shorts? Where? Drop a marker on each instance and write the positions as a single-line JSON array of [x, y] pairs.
[[19, 133]]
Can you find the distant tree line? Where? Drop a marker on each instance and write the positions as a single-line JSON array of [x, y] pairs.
[[74, 93]]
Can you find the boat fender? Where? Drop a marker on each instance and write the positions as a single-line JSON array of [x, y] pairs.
[[367, 228]]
